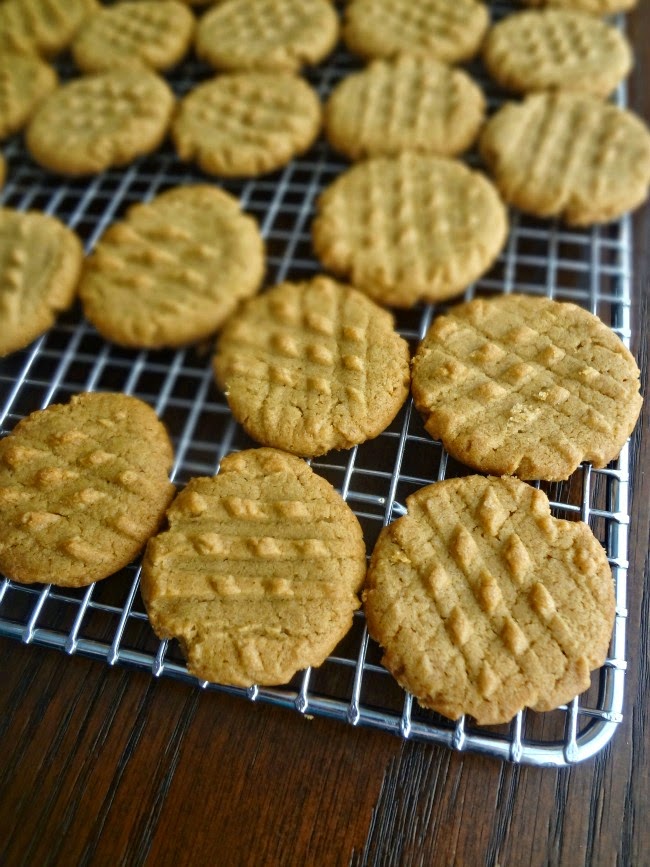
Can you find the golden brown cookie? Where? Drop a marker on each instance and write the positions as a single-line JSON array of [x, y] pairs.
[[174, 269], [276, 35], [248, 123], [310, 367], [24, 81], [83, 485], [41, 26], [485, 604], [156, 33], [526, 386], [447, 30], [409, 228], [591, 7], [568, 155], [40, 263], [411, 103], [99, 121], [258, 573], [556, 49]]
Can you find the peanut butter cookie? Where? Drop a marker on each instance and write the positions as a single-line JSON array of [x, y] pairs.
[[526, 386], [82, 486], [310, 367], [568, 155], [40, 263], [409, 228], [99, 121], [174, 269], [485, 604], [259, 571]]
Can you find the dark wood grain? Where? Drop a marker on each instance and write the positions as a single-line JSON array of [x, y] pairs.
[[108, 766]]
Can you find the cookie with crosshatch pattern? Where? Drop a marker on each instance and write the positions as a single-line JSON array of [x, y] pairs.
[[280, 35], [243, 124], [156, 33], [556, 49], [448, 30], [258, 574], [526, 386], [43, 27], [99, 121], [40, 264], [174, 269], [569, 155], [83, 485], [25, 80], [410, 103], [409, 228], [314, 366], [484, 604]]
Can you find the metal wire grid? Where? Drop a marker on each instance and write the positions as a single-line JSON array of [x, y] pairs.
[[107, 620]]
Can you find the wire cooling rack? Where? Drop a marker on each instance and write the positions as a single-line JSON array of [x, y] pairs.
[[107, 620]]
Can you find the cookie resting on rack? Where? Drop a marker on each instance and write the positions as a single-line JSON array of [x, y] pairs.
[[276, 35], [44, 27], [25, 80], [314, 366], [246, 124], [100, 121], [526, 386], [156, 33], [174, 269], [448, 30], [409, 228], [258, 573], [484, 604], [410, 103], [568, 155], [83, 485], [556, 49], [40, 264]]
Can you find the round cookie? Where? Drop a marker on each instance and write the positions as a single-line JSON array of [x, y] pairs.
[[24, 81], [310, 367], [409, 228], [246, 124], [485, 604], [591, 7], [411, 103], [44, 27], [156, 33], [447, 30], [258, 574], [556, 49], [276, 35], [99, 121], [526, 386], [174, 269], [568, 155], [83, 486], [40, 263]]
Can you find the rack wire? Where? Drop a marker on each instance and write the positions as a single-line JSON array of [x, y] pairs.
[[107, 620]]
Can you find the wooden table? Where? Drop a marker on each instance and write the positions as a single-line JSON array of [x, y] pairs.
[[109, 766]]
